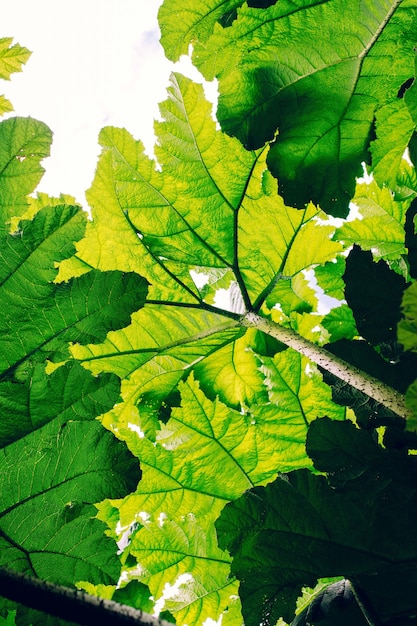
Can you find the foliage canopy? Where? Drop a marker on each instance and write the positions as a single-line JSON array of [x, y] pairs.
[[184, 427]]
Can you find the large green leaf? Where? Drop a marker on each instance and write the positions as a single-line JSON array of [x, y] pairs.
[[24, 142], [379, 226], [302, 527], [47, 525], [195, 216], [39, 318], [176, 532], [316, 72]]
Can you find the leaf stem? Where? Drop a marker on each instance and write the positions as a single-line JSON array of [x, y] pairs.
[[355, 377], [71, 604]]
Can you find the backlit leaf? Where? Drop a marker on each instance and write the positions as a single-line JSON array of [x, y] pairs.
[[24, 142], [289, 68], [12, 57]]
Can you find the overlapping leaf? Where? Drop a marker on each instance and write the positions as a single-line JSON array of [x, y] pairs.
[[24, 142], [292, 69], [56, 459], [200, 437], [39, 318], [350, 524], [380, 224], [195, 215], [47, 525]]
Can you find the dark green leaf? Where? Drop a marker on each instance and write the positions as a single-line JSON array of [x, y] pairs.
[[47, 518], [374, 293], [302, 527], [69, 393]]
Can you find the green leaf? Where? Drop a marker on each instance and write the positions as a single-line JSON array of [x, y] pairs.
[[154, 220], [184, 462], [5, 105], [47, 525], [73, 311], [380, 224], [181, 23], [280, 68], [39, 318], [407, 327], [348, 524], [12, 57], [68, 393], [297, 396], [186, 553], [24, 142], [340, 323], [394, 128], [156, 217]]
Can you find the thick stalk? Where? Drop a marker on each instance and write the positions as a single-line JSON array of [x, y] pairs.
[[369, 385], [71, 604]]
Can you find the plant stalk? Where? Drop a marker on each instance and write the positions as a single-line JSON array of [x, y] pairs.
[[350, 374], [72, 605]]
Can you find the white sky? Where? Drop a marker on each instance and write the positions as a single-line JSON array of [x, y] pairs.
[[94, 63]]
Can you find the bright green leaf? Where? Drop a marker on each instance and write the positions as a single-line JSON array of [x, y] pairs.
[[380, 224], [12, 57], [182, 23], [340, 323], [24, 142], [288, 68], [297, 396], [200, 437], [5, 105], [394, 128]]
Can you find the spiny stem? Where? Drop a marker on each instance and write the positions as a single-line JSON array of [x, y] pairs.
[[71, 604], [355, 377]]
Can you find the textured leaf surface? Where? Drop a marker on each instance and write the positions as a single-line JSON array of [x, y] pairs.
[[290, 67], [12, 57], [182, 23], [380, 224], [5, 105], [68, 393], [24, 142], [39, 318], [195, 216], [47, 525], [177, 534], [345, 525], [394, 128]]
